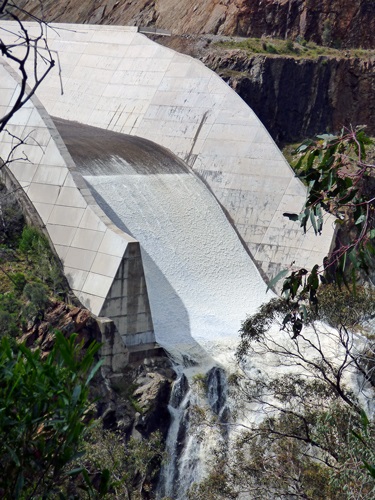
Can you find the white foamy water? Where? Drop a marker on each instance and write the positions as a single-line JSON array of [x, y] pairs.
[[201, 282]]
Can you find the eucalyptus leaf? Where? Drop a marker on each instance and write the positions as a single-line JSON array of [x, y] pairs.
[[277, 278]]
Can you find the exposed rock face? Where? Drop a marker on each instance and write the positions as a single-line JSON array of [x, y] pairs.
[[62, 317], [341, 22], [148, 383], [153, 392], [296, 98]]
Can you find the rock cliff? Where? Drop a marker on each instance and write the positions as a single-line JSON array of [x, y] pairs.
[[344, 23], [296, 98]]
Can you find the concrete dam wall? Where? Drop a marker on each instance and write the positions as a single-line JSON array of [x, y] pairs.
[[117, 79], [186, 120]]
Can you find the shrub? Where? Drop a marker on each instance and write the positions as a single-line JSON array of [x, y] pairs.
[[12, 220], [46, 266], [45, 415], [8, 325], [28, 240], [19, 282], [9, 303], [289, 46], [271, 49], [340, 306], [37, 300]]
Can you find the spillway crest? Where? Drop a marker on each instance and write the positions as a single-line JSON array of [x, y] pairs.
[[201, 281]]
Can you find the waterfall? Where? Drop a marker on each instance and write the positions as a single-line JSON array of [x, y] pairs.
[[201, 283], [187, 450]]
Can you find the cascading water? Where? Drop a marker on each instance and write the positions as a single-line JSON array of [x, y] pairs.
[[187, 449], [201, 285], [201, 282]]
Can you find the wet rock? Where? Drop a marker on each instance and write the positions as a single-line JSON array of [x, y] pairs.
[[179, 391], [216, 383]]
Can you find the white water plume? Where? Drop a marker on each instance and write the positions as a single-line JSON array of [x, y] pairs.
[[201, 281], [201, 284]]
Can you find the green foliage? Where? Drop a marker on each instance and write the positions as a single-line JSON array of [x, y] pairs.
[[19, 282], [45, 413], [365, 437], [29, 240], [254, 327], [342, 307], [303, 42], [271, 49], [9, 313], [303, 448], [313, 424], [340, 181], [9, 303], [35, 246], [11, 218], [301, 48], [136, 405], [132, 464], [8, 324], [289, 46], [36, 295]]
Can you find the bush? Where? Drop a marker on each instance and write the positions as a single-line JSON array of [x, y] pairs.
[[12, 220], [133, 464], [340, 306], [28, 241], [19, 282], [8, 324], [271, 49], [37, 300], [45, 414], [289, 46], [9, 303], [46, 266]]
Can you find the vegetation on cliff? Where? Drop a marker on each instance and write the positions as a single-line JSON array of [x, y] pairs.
[[339, 22], [298, 48]]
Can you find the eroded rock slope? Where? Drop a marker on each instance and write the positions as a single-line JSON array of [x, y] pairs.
[[341, 22]]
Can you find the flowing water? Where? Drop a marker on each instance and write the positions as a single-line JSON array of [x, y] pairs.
[[201, 284], [201, 281]]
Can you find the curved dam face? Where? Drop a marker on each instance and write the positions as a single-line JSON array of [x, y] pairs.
[[117, 79], [201, 281]]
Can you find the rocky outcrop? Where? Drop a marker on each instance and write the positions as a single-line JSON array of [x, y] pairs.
[[68, 320], [344, 23], [130, 397], [152, 394], [296, 98]]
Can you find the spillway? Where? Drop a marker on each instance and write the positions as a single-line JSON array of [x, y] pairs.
[[201, 281]]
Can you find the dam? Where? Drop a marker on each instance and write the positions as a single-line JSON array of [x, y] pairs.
[[160, 190]]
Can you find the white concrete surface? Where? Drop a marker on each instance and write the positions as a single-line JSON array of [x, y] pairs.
[[94, 252], [117, 79]]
